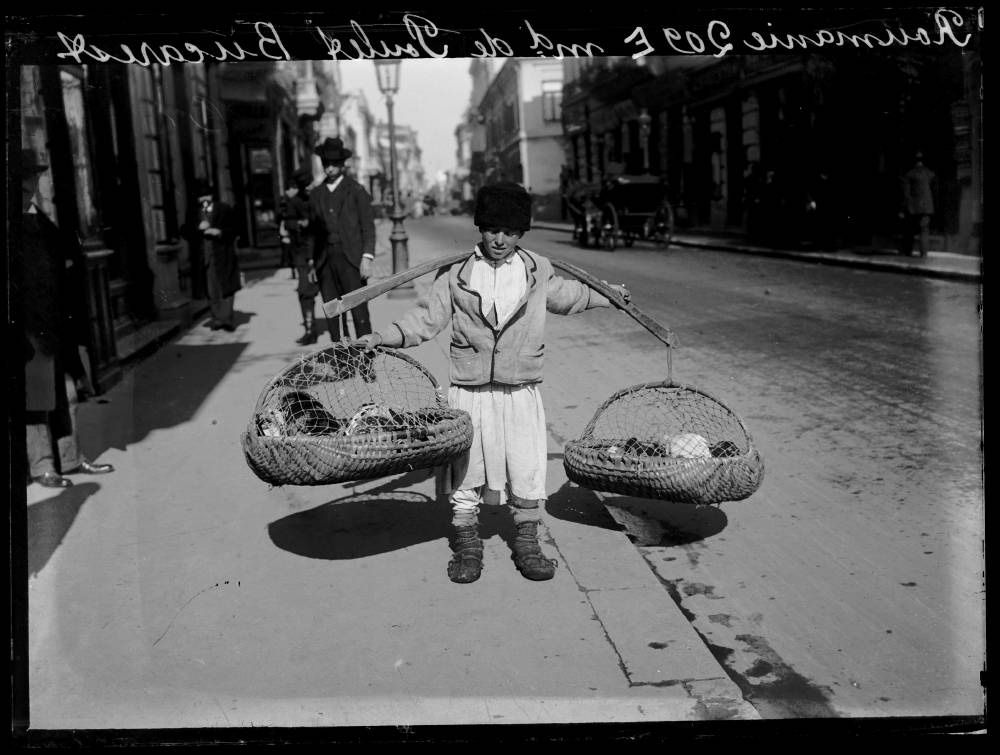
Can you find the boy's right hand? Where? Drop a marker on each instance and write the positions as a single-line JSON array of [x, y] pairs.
[[370, 341]]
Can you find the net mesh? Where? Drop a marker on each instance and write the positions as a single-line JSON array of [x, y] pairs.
[[662, 440], [343, 414]]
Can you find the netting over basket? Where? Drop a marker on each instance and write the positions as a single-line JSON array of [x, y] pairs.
[[342, 414], [668, 441]]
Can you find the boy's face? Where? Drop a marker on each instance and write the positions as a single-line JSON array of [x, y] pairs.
[[499, 243]]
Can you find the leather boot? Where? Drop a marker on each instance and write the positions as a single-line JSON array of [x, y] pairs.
[[467, 562], [528, 557], [309, 322]]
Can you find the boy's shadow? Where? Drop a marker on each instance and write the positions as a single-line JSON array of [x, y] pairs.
[[647, 522], [381, 520]]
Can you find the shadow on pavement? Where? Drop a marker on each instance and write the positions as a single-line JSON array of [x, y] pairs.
[[50, 520], [646, 521], [242, 318], [651, 522], [379, 520], [362, 525], [580, 506], [168, 391]]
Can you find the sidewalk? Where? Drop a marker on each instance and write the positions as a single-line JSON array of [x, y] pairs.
[[936, 264], [181, 591]]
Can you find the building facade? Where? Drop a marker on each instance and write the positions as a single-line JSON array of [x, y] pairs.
[[522, 115], [727, 134], [126, 146]]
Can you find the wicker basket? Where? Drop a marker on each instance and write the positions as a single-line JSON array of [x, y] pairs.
[[667, 441], [340, 414]]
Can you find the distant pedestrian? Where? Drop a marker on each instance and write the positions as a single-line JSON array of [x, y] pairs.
[[211, 226], [50, 262], [293, 228], [822, 216], [342, 224], [495, 302], [917, 189]]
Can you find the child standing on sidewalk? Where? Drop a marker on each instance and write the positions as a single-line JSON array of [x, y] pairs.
[[496, 302]]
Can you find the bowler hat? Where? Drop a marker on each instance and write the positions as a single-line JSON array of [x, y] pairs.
[[203, 188], [31, 163], [302, 177], [503, 205], [332, 151]]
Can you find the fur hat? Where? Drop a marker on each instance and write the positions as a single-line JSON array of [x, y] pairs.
[[302, 178], [503, 205], [332, 151]]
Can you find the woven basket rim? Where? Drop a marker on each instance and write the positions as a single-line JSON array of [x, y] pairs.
[[589, 429], [332, 348]]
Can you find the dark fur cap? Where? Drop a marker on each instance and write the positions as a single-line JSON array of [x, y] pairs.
[[503, 205]]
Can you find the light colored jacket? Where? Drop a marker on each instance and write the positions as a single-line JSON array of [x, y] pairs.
[[512, 354]]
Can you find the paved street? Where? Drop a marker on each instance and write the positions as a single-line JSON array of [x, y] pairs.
[[182, 591]]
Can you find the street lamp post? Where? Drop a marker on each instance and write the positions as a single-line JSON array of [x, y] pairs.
[[387, 72], [645, 120]]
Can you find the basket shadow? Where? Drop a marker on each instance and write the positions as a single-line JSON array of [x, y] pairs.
[[362, 525], [572, 503], [650, 522]]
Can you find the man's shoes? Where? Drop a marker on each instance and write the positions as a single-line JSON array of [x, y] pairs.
[[213, 324], [87, 468], [308, 338], [228, 327], [53, 480]]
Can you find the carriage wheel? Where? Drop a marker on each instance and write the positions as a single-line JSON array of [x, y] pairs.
[[663, 225], [609, 228]]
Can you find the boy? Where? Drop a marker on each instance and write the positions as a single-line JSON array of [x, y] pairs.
[[496, 302]]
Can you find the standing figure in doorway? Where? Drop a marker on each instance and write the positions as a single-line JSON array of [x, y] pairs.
[[214, 232], [342, 223]]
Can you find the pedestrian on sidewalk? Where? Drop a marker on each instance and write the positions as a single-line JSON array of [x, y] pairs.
[[50, 267], [293, 228], [917, 188], [496, 301], [343, 227], [214, 234]]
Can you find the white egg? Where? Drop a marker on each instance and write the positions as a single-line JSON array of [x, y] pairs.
[[688, 446]]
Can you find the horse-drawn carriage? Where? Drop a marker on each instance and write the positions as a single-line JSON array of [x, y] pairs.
[[624, 209]]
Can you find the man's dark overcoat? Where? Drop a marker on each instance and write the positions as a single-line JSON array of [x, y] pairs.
[[342, 218]]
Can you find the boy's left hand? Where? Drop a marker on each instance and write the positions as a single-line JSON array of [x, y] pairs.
[[620, 290]]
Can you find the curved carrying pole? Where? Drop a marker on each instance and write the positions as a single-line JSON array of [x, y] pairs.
[[335, 307], [661, 333]]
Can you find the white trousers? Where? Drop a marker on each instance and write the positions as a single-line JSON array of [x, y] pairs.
[[509, 444]]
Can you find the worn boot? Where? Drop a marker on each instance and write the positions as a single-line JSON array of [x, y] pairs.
[[467, 562], [309, 323], [528, 557]]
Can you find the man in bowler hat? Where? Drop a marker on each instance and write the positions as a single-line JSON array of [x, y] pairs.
[[343, 226], [214, 232], [49, 263]]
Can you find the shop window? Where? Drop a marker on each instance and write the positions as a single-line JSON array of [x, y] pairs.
[[159, 178]]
